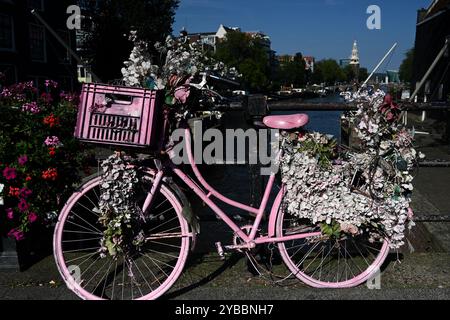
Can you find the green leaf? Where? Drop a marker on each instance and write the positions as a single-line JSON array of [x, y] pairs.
[[169, 100], [111, 247]]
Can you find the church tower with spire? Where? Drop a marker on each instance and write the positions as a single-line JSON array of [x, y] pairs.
[[354, 60]]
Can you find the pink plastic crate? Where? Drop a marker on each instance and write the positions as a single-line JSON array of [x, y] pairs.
[[122, 116]]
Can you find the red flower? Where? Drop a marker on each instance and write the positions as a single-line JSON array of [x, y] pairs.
[[28, 179], [50, 174], [10, 173], [52, 152], [14, 192], [51, 121]]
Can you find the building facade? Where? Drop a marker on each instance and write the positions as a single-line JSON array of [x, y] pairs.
[[28, 51], [432, 31], [310, 61], [210, 40], [343, 63]]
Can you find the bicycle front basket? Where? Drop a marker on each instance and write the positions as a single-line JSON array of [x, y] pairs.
[[121, 116]]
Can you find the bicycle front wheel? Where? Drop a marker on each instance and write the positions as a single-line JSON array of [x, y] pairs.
[[324, 262], [146, 275]]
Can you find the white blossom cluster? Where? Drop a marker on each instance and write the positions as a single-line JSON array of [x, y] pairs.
[[364, 191], [139, 66], [181, 60]]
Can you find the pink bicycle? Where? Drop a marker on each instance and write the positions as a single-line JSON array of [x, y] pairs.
[[318, 260]]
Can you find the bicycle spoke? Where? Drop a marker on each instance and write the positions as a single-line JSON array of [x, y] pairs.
[[153, 258], [165, 244], [80, 240], [153, 261], [84, 228], [95, 274], [95, 228], [87, 209], [114, 282], [163, 224], [143, 277], [89, 254], [154, 276], [76, 232]]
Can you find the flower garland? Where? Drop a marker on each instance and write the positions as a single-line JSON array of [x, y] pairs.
[[118, 209], [359, 191]]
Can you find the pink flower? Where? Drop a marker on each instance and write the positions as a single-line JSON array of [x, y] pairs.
[[31, 107], [9, 173], [182, 92], [23, 205], [32, 217], [349, 228], [69, 97], [10, 213], [52, 141], [23, 160], [410, 214], [51, 84], [25, 193], [17, 234], [6, 93]]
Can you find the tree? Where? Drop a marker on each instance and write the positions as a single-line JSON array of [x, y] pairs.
[[292, 72], [328, 71], [349, 73], [114, 19], [406, 68], [363, 74], [247, 54]]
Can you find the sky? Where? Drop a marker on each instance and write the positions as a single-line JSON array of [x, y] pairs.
[[320, 28]]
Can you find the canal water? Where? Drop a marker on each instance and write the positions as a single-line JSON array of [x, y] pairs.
[[327, 122]]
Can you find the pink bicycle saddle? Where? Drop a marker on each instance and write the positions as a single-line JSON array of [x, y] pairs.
[[287, 122]]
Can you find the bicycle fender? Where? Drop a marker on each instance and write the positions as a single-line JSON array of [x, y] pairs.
[[187, 212], [274, 213]]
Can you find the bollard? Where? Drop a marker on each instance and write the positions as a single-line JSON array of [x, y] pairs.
[[255, 107], [9, 258]]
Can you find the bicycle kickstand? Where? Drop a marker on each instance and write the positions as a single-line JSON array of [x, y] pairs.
[[220, 250]]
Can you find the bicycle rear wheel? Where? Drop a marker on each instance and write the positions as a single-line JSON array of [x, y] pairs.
[[146, 275], [324, 262]]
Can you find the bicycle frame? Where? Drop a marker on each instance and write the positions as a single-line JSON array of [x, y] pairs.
[[250, 241]]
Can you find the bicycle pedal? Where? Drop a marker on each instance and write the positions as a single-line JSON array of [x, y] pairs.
[[220, 250]]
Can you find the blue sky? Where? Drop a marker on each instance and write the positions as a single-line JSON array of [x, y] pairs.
[[321, 28]]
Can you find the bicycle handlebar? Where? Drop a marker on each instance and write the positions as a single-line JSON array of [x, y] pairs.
[[221, 79]]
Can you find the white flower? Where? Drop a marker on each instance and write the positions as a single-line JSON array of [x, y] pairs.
[[325, 194]]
